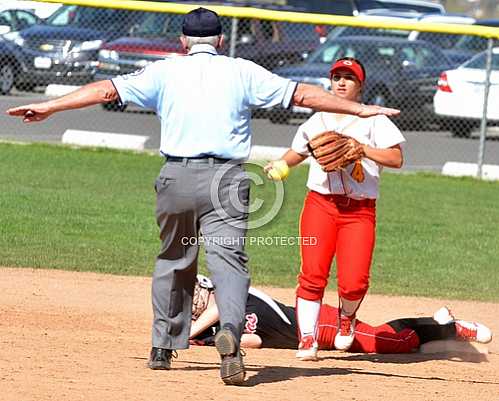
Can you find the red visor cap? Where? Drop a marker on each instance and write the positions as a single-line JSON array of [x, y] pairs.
[[350, 65]]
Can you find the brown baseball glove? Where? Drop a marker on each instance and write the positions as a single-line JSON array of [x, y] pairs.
[[334, 151]]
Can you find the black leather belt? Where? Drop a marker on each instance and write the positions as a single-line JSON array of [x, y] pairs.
[[200, 159]]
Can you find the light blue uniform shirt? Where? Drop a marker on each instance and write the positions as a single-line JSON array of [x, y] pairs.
[[204, 101]]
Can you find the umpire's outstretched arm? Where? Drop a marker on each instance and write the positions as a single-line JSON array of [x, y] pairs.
[[318, 99], [305, 95], [88, 95]]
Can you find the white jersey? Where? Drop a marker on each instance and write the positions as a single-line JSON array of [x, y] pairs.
[[377, 132]]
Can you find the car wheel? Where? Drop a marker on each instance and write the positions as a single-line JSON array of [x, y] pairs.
[[113, 106], [7, 78]]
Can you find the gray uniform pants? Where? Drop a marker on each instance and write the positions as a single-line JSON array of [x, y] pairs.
[[212, 199]]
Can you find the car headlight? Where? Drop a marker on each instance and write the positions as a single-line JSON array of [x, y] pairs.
[[15, 38], [108, 54], [87, 46]]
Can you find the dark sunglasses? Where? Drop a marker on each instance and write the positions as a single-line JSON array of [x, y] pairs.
[[348, 77]]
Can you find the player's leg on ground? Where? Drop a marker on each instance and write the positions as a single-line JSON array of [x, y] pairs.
[[467, 331], [429, 329], [383, 339]]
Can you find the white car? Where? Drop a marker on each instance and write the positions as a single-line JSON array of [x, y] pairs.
[[459, 98]]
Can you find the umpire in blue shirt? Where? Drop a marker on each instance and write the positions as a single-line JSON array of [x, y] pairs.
[[204, 102]]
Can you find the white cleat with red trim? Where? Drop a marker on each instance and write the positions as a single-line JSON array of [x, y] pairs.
[[307, 349], [346, 333], [472, 331]]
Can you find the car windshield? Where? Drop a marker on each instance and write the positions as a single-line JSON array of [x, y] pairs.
[[358, 31], [471, 43], [249, 30], [479, 62], [380, 55], [442, 40], [159, 25], [101, 19]]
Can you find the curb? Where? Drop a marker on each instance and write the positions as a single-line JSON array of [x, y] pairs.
[[456, 169], [104, 139]]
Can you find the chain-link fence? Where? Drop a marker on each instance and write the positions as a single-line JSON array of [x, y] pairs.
[[437, 79]]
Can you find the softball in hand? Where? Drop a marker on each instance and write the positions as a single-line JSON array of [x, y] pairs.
[[279, 170]]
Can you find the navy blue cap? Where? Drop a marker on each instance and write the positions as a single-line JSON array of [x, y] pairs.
[[201, 22]]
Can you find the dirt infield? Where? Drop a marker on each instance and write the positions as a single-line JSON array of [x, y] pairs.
[[84, 336]]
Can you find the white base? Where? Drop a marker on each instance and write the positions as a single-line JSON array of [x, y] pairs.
[[104, 139], [456, 169]]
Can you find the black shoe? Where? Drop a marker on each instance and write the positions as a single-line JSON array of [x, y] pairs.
[[232, 368], [160, 359]]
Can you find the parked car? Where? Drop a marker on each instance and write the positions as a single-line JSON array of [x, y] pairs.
[[340, 7], [154, 39], [457, 47], [268, 43], [357, 7], [469, 45], [400, 74], [274, 44], [442, 40], [40, 9], [13, 20], [8, 71], [459, 98], [64, 49]]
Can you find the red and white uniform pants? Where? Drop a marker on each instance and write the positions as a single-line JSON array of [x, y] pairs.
[[370, 339], [342, 229]]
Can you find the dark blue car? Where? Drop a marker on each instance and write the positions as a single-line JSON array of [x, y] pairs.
[[400, 73], [64, 49]]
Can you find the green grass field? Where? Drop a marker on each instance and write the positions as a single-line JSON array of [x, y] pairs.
[[93, 210]]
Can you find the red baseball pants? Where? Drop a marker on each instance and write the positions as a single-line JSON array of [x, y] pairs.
[[347, 232], [370, 339]]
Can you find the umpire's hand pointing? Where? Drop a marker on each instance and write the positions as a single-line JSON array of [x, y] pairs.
[[372, 110], [316, 98], [88, 95], [31, 112]]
